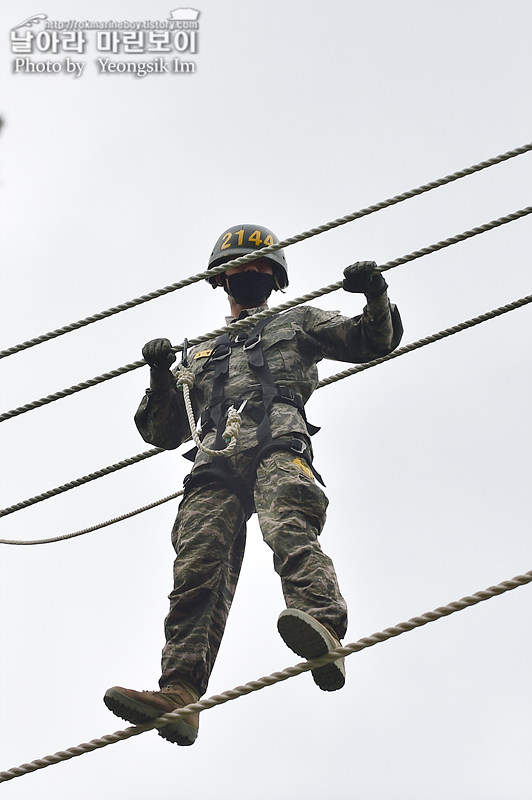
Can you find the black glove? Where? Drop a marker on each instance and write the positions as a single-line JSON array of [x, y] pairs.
[[361, 277], [158, 354]]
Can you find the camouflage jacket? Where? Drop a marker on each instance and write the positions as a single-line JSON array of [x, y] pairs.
[[293, 343]]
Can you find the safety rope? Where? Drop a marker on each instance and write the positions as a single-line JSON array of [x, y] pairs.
[[361, 644], [427, 187], [462, 326], [97, 527], [92, 476], [269, 680], [333, 287], [185, 381], [435, 337], [460, 237]]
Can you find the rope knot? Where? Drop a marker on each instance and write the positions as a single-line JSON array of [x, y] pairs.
[[185, 377], [232, 427], [185, 381]]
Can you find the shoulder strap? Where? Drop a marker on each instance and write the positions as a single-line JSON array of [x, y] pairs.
[[255, 353]]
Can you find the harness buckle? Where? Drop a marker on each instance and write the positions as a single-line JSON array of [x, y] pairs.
[[240, 338], [224, 352], [252, 341], [298, 446], [287, 392]]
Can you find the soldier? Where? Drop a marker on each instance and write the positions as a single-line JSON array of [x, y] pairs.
[[271, 367]]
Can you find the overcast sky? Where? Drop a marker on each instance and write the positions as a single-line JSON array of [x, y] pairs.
[[112, 186]]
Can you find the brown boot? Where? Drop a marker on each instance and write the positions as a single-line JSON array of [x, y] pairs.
[[309, 638], [139, 707]]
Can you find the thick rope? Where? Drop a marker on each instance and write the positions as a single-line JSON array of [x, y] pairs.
[[427, 187], [333, 287], [435, 337], [79, 387], [460, 237], [92, 476], [269, 680], [185, 381], [97, 527], [496, 312]]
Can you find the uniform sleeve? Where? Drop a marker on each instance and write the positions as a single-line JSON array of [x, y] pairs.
[[161, 416], [372, 334]]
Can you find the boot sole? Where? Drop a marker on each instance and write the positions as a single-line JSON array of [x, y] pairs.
[[179, 732], [304, 636]]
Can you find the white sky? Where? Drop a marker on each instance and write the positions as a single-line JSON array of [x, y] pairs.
[[112, 186]]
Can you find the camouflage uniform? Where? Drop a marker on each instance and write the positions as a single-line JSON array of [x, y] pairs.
[[209, 532]]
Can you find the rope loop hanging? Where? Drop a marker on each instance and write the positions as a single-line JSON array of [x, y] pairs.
[[185, 381]]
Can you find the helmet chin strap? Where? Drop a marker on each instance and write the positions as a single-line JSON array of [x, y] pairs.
[[277, 284]]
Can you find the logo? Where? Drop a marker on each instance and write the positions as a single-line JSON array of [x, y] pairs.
[[44, 45], [184, 15]]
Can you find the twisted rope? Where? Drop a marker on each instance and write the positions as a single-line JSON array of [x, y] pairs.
[[427, 187], [92, 476], [460, 237], [462, 326], [269, 680], [332, 287], [97, 527], [185, 381], [79, 387], [435, 337]]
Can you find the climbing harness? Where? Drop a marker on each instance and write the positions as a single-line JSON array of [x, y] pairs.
[[462, 326], [185, 382], [220, 412]]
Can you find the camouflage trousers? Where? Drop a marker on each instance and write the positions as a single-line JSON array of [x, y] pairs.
[[209, 537]]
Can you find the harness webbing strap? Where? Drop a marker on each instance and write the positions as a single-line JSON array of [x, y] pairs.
[[255, 353], [214, 415], [220, 354]]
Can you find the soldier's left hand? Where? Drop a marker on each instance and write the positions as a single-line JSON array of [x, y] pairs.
[[361, 277]]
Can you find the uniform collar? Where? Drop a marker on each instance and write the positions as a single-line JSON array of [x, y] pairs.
[[247, 312]]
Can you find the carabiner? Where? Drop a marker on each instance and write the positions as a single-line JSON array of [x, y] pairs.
[[184, 359]]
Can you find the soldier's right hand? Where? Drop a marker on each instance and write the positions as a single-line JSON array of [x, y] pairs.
[[158, 353]]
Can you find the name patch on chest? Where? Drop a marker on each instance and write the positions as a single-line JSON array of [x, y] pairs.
[[202, 354]]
